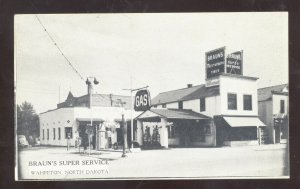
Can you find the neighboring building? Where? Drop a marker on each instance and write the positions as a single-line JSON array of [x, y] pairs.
[[273, 109], [221, 112], [69, 121]]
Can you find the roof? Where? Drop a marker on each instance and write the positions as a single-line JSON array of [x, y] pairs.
[[184, 94], [176, 114], [266, 92], [102, 100]]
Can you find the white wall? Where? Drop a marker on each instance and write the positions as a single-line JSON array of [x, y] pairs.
[[239, 86], [212, 106], [276, 103], [57, 119]]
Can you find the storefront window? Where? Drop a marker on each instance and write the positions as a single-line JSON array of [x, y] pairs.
[[59, 133], [171, 131], [43, 134], [47, 134], [53, 133], [68, 132], [232, 101], [247, 102]]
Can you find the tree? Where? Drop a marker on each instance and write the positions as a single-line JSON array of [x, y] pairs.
[[27, 120]]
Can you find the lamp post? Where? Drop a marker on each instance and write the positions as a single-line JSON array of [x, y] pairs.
[[90, 92], [131, 108]]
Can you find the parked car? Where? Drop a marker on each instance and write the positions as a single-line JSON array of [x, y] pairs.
[[22, 141]]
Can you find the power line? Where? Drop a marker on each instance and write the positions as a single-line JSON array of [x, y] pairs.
[[70, 64]]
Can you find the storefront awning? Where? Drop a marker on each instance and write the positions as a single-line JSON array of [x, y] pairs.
[[244, 121]]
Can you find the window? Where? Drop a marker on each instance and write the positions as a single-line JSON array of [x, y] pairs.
[[53, 133], [171, 131], [43, 134], [68, 132], [281, 106], [232, 101], [47, 134], [247, 102], [164, 105], [59, 133], [202, 104], [180, 105]]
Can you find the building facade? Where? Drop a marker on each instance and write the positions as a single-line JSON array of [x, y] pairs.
[[67, 124], [222, 112], [273, 109]]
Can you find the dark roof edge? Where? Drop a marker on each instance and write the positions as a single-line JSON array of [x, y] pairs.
[[273, 86], [180, 89]]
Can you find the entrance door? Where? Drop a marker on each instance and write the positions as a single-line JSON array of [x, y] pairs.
[[277, 133]]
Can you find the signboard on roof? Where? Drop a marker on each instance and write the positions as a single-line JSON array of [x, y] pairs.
[[234, 63], [215, 62], [142, 100]]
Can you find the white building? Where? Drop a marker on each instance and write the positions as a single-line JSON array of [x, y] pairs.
[[69, 121], [224, 111], [273, 109]]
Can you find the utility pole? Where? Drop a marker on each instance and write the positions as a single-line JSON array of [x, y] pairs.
[[132, 104], [90, 91], [123, 129]]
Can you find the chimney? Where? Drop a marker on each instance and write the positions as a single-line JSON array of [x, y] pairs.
[[189, 85]]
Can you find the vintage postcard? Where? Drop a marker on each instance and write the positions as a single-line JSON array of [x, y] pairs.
[[151, 96]]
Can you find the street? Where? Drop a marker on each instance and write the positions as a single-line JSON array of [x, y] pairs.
[[228, 162]]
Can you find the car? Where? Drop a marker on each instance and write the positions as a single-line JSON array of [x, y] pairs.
[[22, 141]]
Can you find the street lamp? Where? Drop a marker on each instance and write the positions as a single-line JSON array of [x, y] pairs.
[[90, 92]]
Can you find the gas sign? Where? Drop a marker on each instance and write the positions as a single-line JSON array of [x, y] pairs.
[[142, 101]]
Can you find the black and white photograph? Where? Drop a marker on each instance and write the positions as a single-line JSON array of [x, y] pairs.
[[144, 96]]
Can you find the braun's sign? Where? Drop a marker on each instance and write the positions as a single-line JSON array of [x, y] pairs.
[[215, 62], [142, 101], [234, 63]]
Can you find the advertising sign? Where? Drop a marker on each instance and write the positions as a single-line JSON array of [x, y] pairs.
[[142, 100], [234, 63], [215, 62]]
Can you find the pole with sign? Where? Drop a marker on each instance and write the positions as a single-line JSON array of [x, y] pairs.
[[133, 106]]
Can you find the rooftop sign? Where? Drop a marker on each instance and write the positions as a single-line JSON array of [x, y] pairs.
[[234, 63], [215, 62]]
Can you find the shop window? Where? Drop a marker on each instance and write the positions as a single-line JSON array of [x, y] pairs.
[[47, 134], [164, 105], [202, 105], [43, 134], [180, 105], [232, 101], [281, 106], [68, 132], [53, 133], [59, 133], [171, 131], [247, 102]]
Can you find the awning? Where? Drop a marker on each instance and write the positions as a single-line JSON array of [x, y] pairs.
[[244, 121]]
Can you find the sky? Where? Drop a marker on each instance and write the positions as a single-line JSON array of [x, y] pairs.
[[164, 51]]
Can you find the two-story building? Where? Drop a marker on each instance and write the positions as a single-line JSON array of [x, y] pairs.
[[273, 109], [223, 111]]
